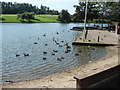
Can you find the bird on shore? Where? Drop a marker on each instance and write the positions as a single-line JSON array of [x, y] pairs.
[[89, 40]]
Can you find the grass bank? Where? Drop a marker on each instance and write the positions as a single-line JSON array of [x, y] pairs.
[[12, 18]]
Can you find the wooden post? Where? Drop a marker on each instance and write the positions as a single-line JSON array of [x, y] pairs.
[[116, 28], [98, 38], [86, 34]]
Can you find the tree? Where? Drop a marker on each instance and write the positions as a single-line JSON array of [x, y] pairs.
[[114, 11], [92, 12], [26, 15], [64, 16]]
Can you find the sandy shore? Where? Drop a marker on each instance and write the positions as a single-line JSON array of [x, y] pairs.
[[65, 79]]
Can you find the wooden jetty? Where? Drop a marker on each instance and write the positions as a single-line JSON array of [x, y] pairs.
[[97, 37]]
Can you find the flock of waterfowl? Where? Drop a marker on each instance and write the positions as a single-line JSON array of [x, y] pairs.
[[64, 44], [54, 51]]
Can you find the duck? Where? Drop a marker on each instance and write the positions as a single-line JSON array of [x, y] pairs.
[[76, 54], [44, 35], [45, 44], [80, 51], [66, 51], [44, 58], [68, 46], [62, 58], [57, 33], [26, 54], [10, 81], [59, 59], [55, 50], [17, 55], [44, 52], [57, 43], [53, 53], [35, 42], [53, 38], [60, 45], [62, 41]]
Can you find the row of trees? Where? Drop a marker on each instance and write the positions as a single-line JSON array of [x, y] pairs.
[[18, 8], [97, 12]]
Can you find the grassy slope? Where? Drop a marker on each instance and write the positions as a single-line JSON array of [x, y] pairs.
[[38, 18]]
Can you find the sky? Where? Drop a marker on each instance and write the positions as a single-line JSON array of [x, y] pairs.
[[53, 4]]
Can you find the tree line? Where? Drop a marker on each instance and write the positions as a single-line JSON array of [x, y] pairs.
[[98, 12], [18, 8]]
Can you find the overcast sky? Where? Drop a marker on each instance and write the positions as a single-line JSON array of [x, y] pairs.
[[53, 4]]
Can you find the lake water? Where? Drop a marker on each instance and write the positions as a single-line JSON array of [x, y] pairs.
[[38, 40]]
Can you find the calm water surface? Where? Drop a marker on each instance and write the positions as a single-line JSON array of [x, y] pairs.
[[29, 39]]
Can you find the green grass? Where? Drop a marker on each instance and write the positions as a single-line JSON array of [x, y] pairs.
[[12, 18]]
